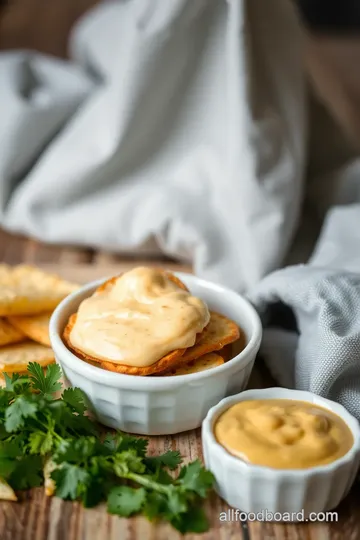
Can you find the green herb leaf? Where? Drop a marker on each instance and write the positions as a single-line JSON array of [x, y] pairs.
[[17, 383], [128, 461], [9, 451], [194, 520], [195, 478], [111, 441], [76, 424], [177, 502], [76, 399], [40, 442], [171, 459], [7, 466], [9, 381], [76, 450], [16, 413], [120, 442], [27, 474], [161, 476], [95, 492], [45, 383], [5, 399], [71, 481], [125, 501], [155, 505]]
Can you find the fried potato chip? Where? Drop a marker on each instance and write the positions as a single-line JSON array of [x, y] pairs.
[[15, 358], [35, 327], [26, 290], [219, 332], [170, 360], [6, 492], [207, 361], [9, 333]]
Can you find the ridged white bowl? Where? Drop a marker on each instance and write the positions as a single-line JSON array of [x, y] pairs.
[[160, 405], [257, 489]]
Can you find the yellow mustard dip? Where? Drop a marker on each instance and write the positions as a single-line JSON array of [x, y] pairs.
[[283, 433]]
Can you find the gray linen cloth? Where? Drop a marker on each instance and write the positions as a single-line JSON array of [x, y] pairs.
[[311, 315]]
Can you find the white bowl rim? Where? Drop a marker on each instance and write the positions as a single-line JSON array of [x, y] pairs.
[[280, 393], [154, 383]]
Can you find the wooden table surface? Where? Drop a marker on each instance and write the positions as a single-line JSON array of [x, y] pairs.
[[37, 517]]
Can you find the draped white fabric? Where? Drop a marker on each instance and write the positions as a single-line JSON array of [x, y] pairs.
[[176, 125]]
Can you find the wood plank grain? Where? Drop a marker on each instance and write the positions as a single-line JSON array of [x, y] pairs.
[[15, 249], [12, 248], [42, 25], [40, 518], [37, 517], [148, 250], [289, 531], [83, 273], [39, 253]]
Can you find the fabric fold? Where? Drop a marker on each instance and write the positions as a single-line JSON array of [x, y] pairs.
[[178, 129]]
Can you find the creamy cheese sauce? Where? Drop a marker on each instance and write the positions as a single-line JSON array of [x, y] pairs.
[[139, 319], [283, 434]]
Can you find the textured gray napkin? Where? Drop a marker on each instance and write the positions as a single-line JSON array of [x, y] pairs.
[[311, 318]]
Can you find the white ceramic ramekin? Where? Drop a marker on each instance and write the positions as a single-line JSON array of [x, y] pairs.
[[266, 491], [160, 405]]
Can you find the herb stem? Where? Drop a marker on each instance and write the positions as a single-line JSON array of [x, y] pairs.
[[146, 482], [47, 428]]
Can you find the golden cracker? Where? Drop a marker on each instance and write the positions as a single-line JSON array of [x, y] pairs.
[[219, 332], [16, 358], [9, 333], [207, 361], [35, 327], [171, 359], [26, 290], [227, 352], [234, 348], [6, 492]]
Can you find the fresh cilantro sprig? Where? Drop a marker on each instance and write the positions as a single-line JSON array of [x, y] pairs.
[[40, 423]]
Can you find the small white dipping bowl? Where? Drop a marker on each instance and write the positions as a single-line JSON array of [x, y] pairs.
[[292, 494], [160, 405]]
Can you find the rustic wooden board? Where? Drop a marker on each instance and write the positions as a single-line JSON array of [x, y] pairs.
[[83, 273], [37, 517]]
